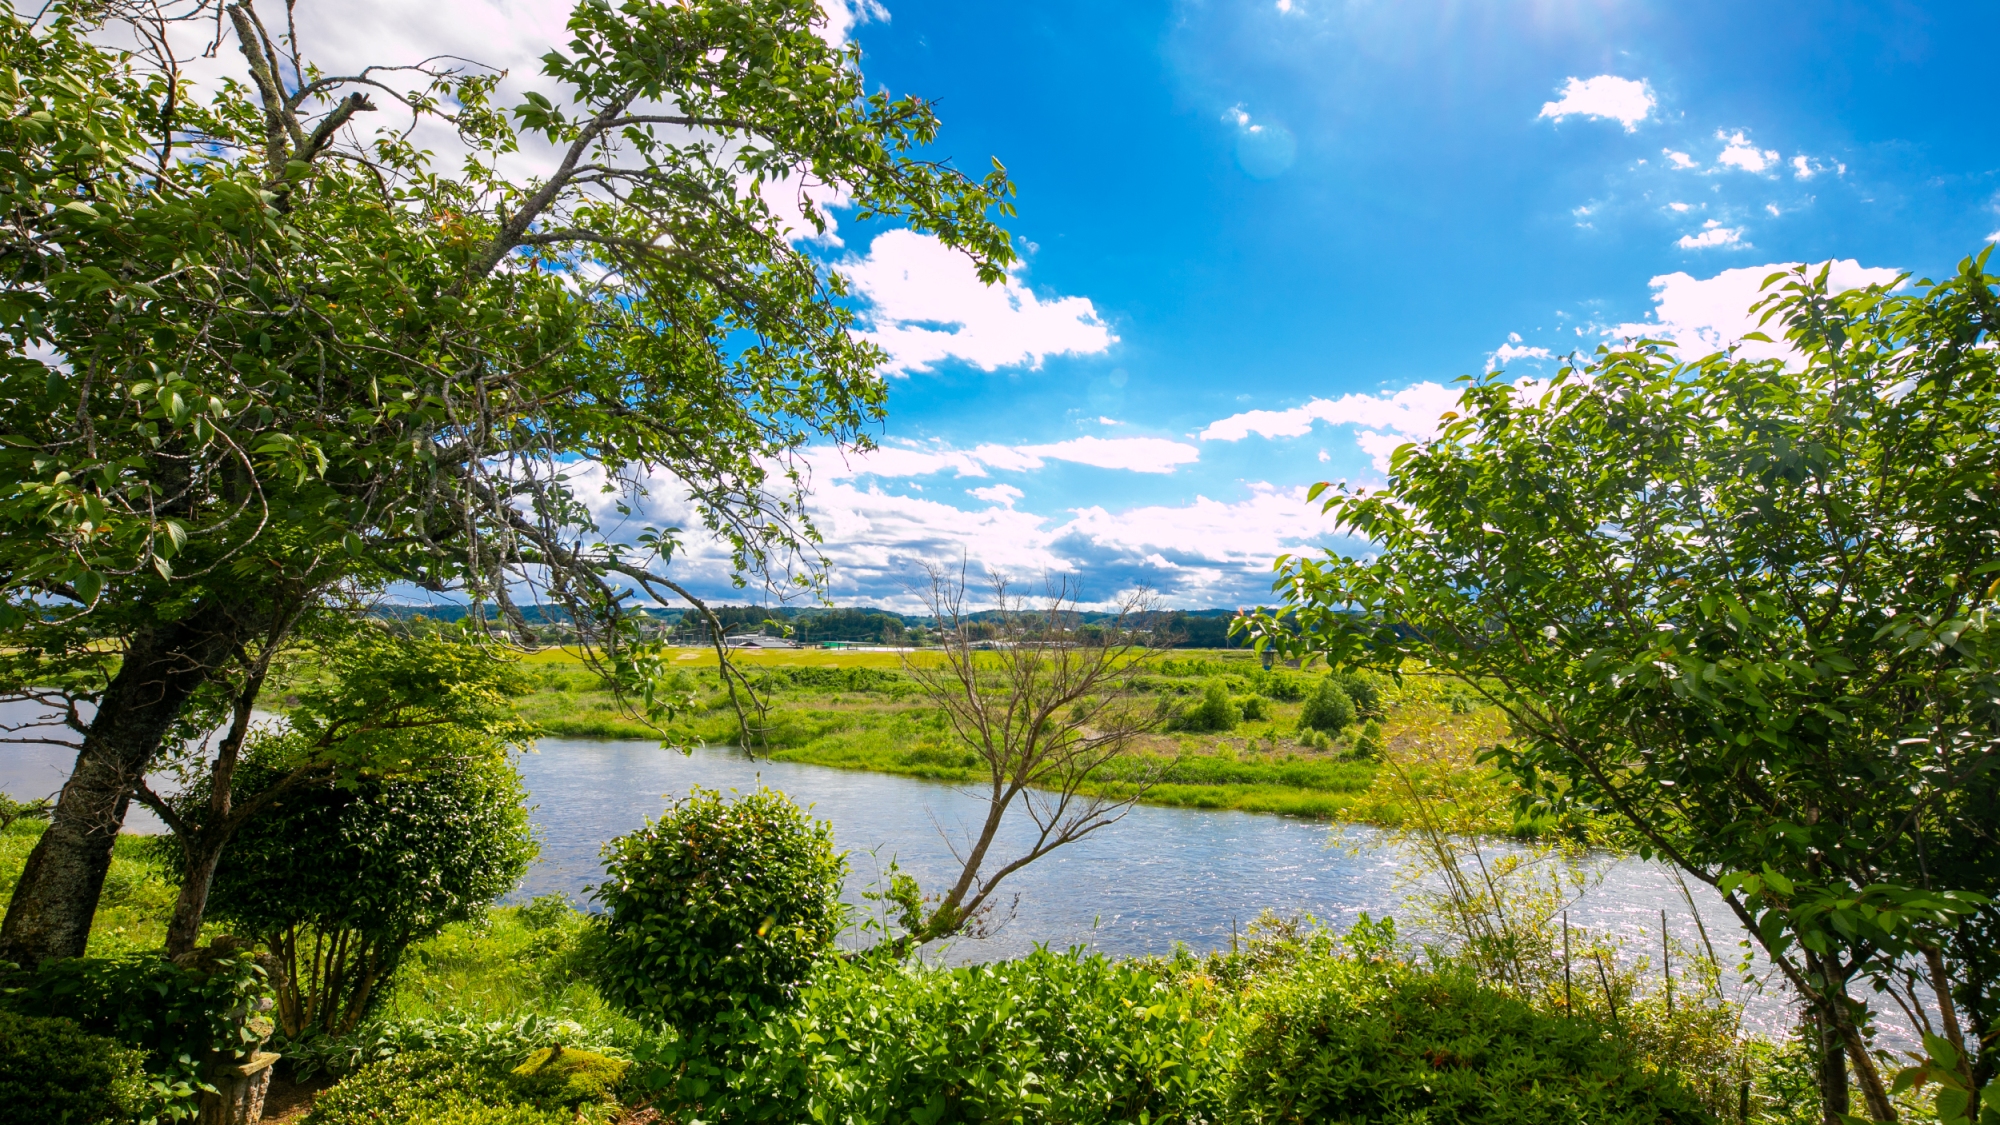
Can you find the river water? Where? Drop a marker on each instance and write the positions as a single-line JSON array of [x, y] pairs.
[[1157, 878]]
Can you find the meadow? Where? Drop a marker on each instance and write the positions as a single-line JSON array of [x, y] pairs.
[[852, 709]]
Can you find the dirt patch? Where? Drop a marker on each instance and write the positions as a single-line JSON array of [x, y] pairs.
[[290, 1101]]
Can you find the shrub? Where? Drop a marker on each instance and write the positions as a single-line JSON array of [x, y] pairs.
[[338, 880], [431, 1088], [1256, 709], [1215, 712], [1048, 1038], [1368, 744], [52, 1072], [1328, 708], [1339, 1039], [719, 904], [182, 1018], [1363, 689]]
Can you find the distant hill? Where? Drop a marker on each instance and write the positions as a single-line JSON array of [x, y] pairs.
[[1197, 628]]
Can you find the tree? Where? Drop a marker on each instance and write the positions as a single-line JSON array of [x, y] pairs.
[[1741, 607], [1046, 717], [374, 707], [342, 875], [252, 356]]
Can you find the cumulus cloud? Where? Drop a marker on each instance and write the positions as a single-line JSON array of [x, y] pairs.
[[1620, 99], [1203, 554], [1678, 206], [1508, 353], [1001, 494], [1386, 420], [1713, 234], [1707, 315], [1136, 454], [1680, 159], [926, 305], [1738, 152]]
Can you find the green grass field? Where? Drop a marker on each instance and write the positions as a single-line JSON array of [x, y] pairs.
[[857, 710]]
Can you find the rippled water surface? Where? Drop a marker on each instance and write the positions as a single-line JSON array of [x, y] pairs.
[[1158, 877]]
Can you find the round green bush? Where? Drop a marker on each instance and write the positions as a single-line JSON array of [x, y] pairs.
[[367, 868], [1352, 1040], [720, 904], [52, 1072], [1328, 708], [1214, 713]]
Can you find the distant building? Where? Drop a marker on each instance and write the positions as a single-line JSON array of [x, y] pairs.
[[758, 640]]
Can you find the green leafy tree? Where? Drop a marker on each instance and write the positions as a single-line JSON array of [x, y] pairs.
[[718, 906], [253, 351], [1742, 607], [375, 706], [339, 877]]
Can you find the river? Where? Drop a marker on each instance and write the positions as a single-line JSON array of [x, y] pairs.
[[1157, 878]]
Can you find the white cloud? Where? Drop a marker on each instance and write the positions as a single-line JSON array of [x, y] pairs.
[[1680, 159], [1994, 237], [1001, 494], [1388, 420], [1678, 206], [1203, 554], [1709, 314], [1620, 99], [1802, 169], [1508, 353], [1102, 420], [1136, 454], [842, 16], [1773, 209], [1713, 234], [1738, 152], [927, 304]]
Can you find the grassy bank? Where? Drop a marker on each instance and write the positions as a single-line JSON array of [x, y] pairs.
[[858, 710]]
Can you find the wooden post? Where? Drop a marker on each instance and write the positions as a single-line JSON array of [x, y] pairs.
[[1666, 962]]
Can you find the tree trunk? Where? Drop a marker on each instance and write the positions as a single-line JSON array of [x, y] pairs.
[[1830, 1049], [201, 857], [163, 666]]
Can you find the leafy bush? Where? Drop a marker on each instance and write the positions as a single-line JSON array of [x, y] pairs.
[[1328, 708], [720, 904], [52, 1072], [182, 1018], [1363, 689], [1215, 712], [1284, 687], [1047, 1038], [1256, 709], [1348, 1039], [432, 1088], [338, 880], [1368, 744]]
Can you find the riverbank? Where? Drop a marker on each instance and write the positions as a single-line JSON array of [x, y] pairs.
[[859, 711]]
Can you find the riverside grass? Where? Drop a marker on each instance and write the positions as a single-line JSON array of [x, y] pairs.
[[856, 710]]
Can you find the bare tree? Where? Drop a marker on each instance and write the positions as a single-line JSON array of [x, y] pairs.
[[1047, 711]]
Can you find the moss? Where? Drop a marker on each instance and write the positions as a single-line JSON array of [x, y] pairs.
[[569, 1076]]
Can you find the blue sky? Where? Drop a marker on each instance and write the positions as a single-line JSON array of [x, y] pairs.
[[1261, 237]]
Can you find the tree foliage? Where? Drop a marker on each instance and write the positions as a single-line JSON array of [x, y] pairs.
[[340, 874], [257, 342], [1743, 607]]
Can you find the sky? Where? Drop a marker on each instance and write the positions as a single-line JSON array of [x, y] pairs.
[[1260, 239]]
